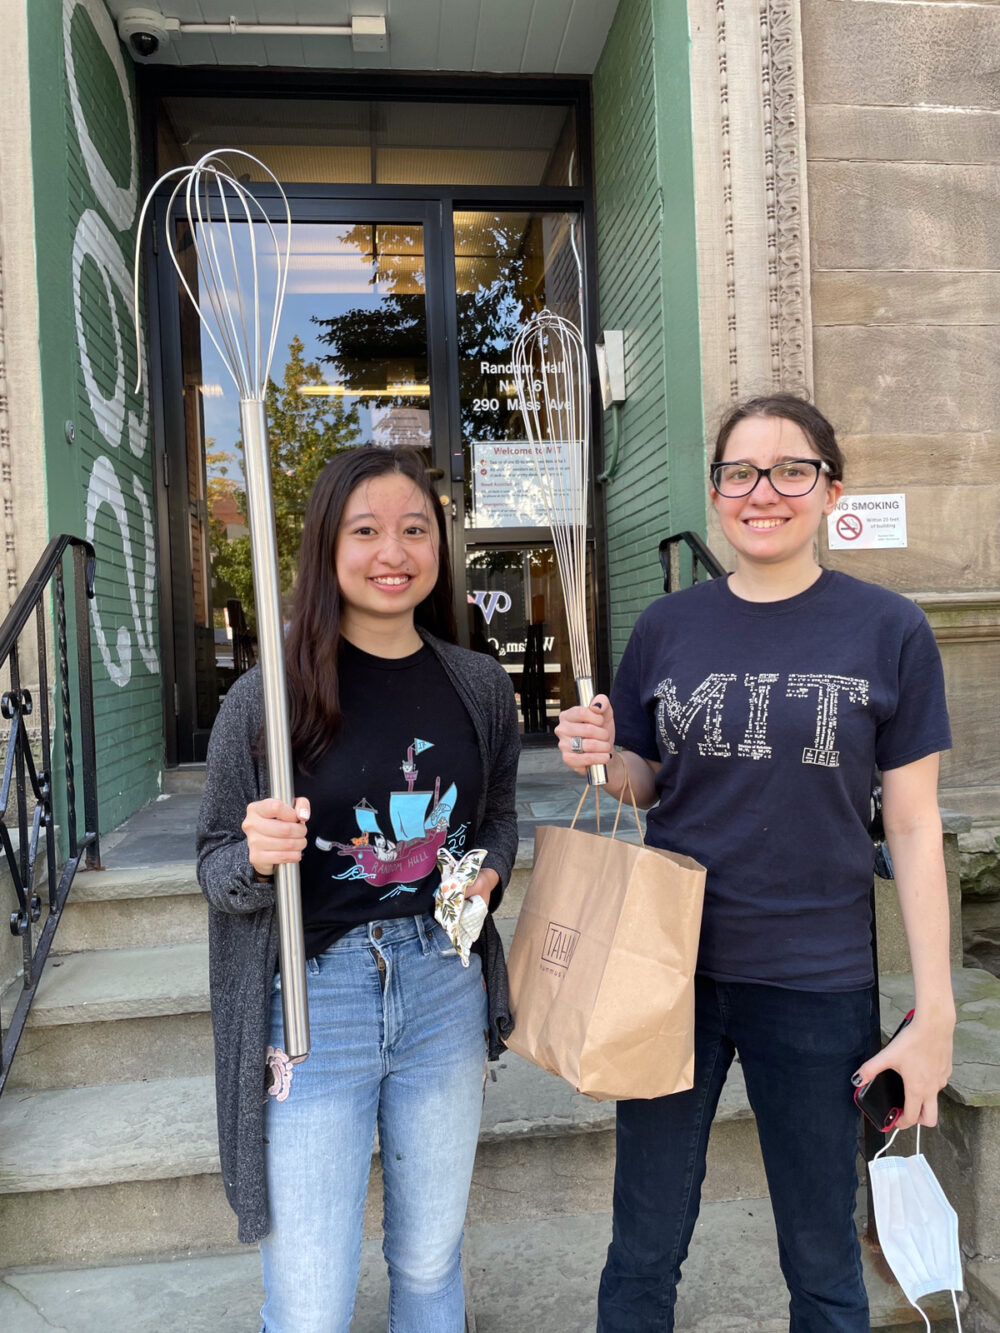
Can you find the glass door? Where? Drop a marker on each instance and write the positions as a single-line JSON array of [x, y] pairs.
[[396, 329], [508, 265], [352, 366], [516, 613]]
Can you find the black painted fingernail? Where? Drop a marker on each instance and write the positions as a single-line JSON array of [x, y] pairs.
[[857, 1080], [598, 707]]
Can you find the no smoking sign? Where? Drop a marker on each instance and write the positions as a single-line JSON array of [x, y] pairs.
[[849, 526], [867, 522]]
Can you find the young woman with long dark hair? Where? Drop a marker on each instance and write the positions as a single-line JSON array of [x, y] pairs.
[[403, 744], [752, 714]]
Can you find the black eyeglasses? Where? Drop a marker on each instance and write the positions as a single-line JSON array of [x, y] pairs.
[[798, 476]]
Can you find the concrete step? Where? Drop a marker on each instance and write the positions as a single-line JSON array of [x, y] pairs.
[[545, 1149], [100, 1135], [116, 1016], [529, 1274], [133, 907], [107, 1171], [139, 1162], [184, 780], [148, 895], [983, 1281], [731, 1281], [964, 1151]]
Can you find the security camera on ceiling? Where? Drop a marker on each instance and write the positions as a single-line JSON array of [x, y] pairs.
[[146, 30]]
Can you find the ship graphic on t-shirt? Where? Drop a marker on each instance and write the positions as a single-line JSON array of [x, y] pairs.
[[419, 823]]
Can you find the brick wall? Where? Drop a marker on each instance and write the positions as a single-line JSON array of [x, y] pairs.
[[646, 277]]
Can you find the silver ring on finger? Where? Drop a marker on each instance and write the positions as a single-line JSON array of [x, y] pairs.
[[576, 745]]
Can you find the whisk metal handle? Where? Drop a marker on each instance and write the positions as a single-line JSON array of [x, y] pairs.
[[597, 774], [270, 634]]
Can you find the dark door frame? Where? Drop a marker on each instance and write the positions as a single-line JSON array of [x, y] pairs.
[[433, 208]]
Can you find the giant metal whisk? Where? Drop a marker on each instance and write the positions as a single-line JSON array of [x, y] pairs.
[[240, 292], [553, 391]]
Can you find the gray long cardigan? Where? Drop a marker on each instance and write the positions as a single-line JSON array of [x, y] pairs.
[[242, 922]]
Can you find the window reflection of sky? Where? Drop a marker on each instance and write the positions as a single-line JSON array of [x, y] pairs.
[[333, 270]]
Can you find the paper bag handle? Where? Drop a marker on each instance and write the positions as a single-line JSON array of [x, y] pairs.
[[618, 812]]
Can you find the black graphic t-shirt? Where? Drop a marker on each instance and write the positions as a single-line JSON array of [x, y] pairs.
[[768, 721], [401, 780]]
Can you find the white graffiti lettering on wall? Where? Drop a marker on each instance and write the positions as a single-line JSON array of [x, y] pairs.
[[95, 241]]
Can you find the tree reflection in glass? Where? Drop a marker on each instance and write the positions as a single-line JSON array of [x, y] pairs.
[[378, 346]]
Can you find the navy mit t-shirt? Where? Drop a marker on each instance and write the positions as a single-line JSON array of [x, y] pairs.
[[400, 780], [768, 721]]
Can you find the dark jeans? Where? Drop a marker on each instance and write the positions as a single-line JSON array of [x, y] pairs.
[[798, 1050]]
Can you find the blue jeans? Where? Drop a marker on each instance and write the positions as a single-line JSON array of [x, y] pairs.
[[798, 1050], [398, 1043]]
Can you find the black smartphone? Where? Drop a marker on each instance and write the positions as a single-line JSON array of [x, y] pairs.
[[881, 1100]]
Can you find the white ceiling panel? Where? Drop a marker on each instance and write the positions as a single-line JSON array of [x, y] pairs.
[[457, 25], [423, 32], [588, 19], [365, 60], [487, 36], [545, 34], [501, 34], [194, 51], [244, 50], [188, 11]]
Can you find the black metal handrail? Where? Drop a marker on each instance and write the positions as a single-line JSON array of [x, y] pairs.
[[703, 563], [34, 782]]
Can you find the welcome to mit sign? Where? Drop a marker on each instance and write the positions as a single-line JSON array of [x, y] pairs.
[[865, 522]]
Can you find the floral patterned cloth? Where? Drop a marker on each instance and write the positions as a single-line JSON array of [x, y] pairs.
[[278, 1078], [462, 918]]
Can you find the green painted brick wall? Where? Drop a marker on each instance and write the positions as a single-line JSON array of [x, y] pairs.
[[87, 199], [647, 278]]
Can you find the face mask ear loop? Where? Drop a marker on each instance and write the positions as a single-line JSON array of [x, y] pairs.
[[886, 1149]]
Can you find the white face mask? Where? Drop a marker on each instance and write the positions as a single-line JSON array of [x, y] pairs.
[[917, 1226]]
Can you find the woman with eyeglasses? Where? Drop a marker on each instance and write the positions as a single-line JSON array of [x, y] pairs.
[[751, 715]]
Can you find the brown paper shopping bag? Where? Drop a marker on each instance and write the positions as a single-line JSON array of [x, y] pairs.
[[602, 964]]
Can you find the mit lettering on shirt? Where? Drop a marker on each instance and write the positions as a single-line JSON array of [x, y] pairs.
[[713, 698]]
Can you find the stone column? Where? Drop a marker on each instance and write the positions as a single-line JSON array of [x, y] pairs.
[[750, 192]]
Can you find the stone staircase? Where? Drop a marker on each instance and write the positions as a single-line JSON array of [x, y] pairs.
[[112, 1214]]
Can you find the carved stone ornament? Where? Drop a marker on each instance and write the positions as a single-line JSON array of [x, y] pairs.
[[781, 89], [746, 79]]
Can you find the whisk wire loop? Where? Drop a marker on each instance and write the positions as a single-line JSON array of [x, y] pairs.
[[206, 195], [216, 206], [553, 387]]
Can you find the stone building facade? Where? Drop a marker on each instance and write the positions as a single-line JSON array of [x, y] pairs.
[[847, 173], [903, 159]]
